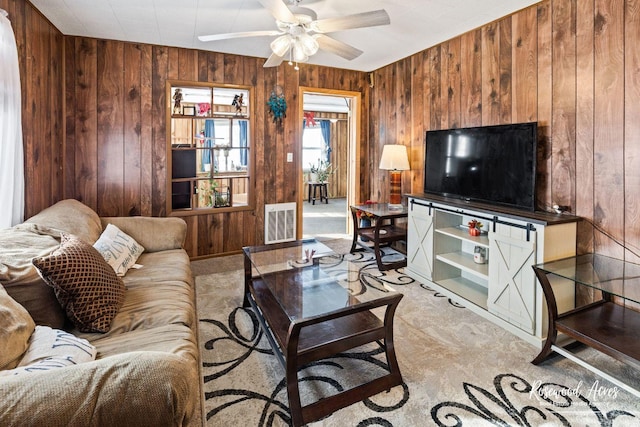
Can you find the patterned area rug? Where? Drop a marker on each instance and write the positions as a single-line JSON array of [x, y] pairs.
[[458, 368]]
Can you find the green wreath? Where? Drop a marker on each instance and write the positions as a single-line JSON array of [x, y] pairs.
[[278, 107]]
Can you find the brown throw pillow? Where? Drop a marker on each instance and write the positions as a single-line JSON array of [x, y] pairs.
[[86, 286]]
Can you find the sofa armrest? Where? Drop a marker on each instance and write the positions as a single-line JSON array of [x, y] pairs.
[[154, 233], [137, 388]]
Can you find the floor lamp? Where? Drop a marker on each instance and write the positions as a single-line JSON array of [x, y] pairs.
[[394, 158]]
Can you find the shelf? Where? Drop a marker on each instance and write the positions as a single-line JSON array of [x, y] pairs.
[[466, 289], [463, 234], [464, 262], [609, 327], [393, 233]]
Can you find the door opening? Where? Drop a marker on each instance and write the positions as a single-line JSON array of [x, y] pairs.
[[329, 128]]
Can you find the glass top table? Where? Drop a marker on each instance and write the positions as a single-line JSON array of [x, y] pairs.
[[385, 233], [311, 305], [603, 322], [613, 276], [309, 279]]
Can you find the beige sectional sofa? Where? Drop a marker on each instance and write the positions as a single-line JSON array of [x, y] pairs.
[[146, 372]]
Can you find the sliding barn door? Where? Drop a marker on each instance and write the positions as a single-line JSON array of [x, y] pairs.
[[512, 285]]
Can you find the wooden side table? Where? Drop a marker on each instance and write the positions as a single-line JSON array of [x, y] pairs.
[[314, 186], [604, 324], [385, 232]]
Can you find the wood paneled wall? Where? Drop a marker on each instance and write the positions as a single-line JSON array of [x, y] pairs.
[[40, 55], [571, 65], [116, 131], [95, 126]]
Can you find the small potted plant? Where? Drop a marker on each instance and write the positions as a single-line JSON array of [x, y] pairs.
[[322, 171], [474, 227]]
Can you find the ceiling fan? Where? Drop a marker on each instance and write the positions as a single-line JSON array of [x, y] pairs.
[[301, 33]]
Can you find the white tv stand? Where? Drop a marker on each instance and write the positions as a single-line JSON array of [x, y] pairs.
[[504, 289]]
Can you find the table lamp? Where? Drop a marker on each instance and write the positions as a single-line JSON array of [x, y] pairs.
[[394, 158]]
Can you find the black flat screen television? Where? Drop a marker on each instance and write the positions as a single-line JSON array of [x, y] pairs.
[[488, 164]]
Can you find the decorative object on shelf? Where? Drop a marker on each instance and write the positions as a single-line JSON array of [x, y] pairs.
[[189, 110], [203, 109], [221, 198], [208, 195], [394, 158], [177, 100], [277, 105], [474, 227], [322, 171], [238, 102], [479, 255]]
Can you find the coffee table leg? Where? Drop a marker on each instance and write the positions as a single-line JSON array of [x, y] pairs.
[[389, 348], [247, 281], [291, 375]]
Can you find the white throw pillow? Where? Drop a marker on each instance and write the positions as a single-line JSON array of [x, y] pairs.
[[16, 326], [52, 349], [119, 249]]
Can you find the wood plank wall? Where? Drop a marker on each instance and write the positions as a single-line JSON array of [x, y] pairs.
[[115, 114], [40, 56], [571, 65], [94, 125]]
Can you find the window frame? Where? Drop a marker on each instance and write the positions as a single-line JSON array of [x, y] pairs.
[[198, 182]]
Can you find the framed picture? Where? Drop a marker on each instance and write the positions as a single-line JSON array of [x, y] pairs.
[[189, 110]]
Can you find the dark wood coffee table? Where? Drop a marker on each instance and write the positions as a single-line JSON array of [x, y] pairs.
[[308, 315]]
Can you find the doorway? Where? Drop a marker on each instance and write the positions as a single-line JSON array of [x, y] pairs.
[[330, 124]]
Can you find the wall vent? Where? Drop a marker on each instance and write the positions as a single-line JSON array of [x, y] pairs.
[[280, 222]]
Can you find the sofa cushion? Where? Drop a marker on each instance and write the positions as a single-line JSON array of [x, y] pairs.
[[85, 285], [18, 246], [16, 326], [158, 294], [52, 349], [70, 216], [155, 234], [119, 249]]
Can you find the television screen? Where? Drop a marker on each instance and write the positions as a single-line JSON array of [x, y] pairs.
[[490, 164]]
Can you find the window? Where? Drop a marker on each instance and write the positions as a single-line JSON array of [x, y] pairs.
[[314, 149], [210, 146]]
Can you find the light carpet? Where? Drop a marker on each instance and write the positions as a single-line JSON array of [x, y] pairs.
[[458, 368]]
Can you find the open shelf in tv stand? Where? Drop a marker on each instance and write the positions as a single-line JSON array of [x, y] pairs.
[[504, 289]]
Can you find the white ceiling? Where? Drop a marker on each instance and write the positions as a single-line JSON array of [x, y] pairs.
[[415, 24]]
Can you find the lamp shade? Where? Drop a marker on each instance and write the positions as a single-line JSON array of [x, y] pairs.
[[281, 45], [394, 157]]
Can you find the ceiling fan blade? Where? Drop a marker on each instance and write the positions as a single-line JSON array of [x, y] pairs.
[[279, 10], [358, 20], [214, 37], [337, 47], [273, 61]]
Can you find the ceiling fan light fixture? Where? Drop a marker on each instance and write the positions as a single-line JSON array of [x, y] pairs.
[[309, 44], [299, 54], [281, 45]]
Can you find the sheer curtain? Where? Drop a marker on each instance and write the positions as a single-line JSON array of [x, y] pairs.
[[11, 151]]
